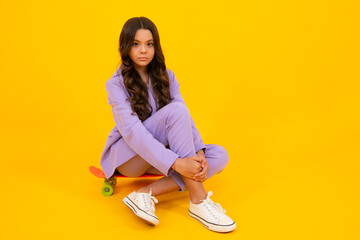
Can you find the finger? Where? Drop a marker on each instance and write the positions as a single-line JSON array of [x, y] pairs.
[[200, 172], [201, 179], [207, 167], [198, 161], [198, 158], [200, 175], [197, 170], [204, 170], [205, 164]]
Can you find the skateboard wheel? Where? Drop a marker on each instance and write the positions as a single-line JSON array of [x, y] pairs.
[[111, 181], [107, 189]]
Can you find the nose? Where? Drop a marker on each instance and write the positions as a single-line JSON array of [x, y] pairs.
[[143, 49]]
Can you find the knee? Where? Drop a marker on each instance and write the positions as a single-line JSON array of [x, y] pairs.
[[178, 109], [222, 156]]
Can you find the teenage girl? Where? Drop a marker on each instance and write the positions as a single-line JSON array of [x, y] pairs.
[[155, 133]]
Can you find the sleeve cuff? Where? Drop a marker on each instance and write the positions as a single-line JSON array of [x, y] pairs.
[[168, 170], [200, 146]]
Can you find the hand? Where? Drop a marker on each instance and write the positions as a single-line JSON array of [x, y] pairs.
[[188, 166], [202, 175]]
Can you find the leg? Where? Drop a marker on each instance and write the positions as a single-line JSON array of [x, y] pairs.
[[196, 190], [216, 156], [134, 167], [153, 170]]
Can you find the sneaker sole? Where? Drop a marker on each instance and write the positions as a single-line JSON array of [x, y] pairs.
[[138, 212], [212, 226]]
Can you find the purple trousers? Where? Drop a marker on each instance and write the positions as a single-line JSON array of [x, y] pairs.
[[171, 126]]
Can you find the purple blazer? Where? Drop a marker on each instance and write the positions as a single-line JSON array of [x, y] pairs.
[[130, 127]]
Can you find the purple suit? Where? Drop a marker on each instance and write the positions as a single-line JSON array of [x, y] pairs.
[[171, 126]]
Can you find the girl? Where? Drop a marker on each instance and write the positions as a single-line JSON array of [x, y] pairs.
[[155, 133]]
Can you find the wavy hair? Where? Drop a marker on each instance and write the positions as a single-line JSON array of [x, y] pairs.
[[156, 69]]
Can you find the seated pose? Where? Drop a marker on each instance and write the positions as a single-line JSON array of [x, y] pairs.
[[155, 133]]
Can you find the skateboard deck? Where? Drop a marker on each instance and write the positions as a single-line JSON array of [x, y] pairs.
[[109, 184]]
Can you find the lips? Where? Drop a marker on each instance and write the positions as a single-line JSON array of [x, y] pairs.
[[142, 58]]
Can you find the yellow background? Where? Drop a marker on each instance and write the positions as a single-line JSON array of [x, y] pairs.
[[274, 82]]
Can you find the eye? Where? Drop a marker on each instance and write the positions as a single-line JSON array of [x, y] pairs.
[[151, 44], [134, 44]]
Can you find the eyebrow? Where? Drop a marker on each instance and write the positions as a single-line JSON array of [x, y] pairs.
[[147, 40]]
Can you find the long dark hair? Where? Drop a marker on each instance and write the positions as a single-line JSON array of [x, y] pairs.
[[156, 69]]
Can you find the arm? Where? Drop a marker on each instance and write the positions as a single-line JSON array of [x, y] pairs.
[[134, 132], [177, 97]]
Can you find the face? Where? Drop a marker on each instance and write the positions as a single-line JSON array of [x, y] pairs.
[[142, 51]]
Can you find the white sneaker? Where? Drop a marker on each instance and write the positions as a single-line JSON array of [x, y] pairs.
[[211, 215], [143, 206]]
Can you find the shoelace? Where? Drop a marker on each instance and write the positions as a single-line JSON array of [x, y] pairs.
[[150, 199], [214, 207]]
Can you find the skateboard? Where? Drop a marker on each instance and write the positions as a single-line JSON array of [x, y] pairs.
[[109, 184]]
